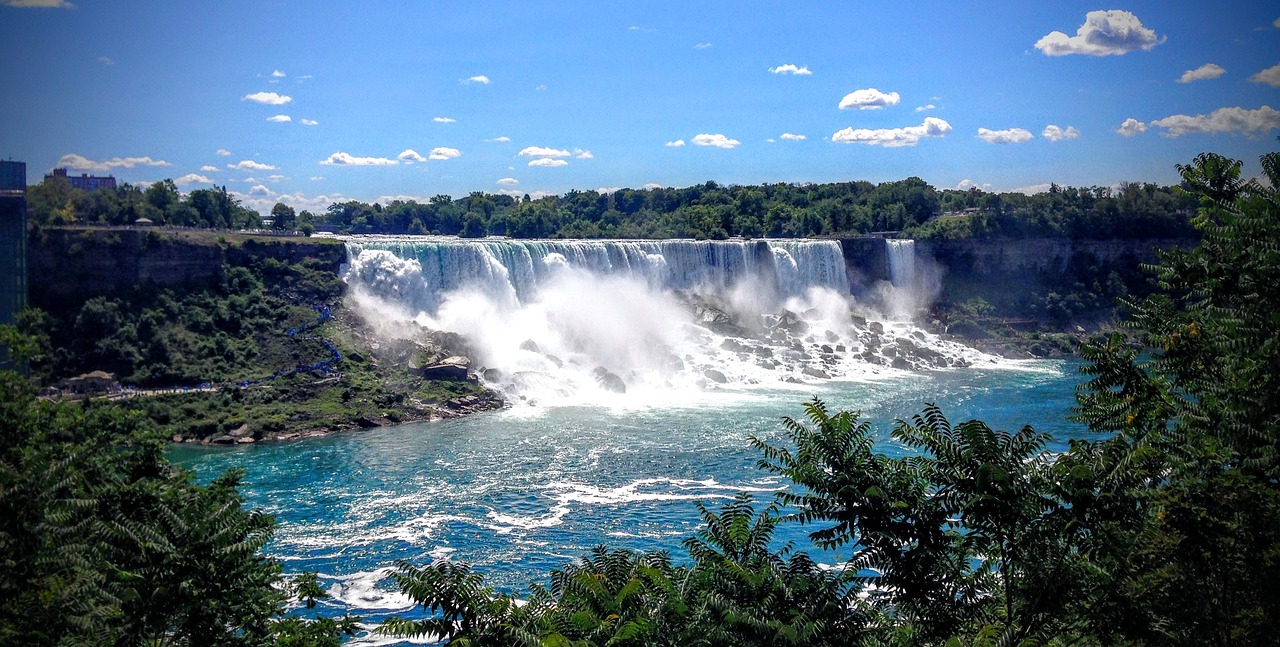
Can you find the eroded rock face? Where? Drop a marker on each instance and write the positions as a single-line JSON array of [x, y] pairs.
[[608, 380]]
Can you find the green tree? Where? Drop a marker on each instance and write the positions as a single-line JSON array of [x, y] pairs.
[[283, 217]]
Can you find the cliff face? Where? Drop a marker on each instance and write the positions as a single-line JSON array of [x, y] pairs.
[[66, 266]]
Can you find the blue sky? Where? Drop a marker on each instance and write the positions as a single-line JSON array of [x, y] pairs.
[[422, 98]]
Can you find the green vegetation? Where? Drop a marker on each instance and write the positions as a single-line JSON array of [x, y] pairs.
[[1167, 532], [702, 211]]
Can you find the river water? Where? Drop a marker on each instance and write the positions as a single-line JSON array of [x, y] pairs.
[[637, 374]]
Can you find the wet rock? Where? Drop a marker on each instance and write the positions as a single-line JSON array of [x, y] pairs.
[[826, 349], [901, 363], [608, 380], [365, 422], [715, 376], [791, 379], [715, 319], [735, 346], [763, 351], [222, 439], [492, 375], [672, 362], [876, 327], [840, 348], [530, 346], [832, 337], [790, 322], [245, 440], [816, 372], [555, 360]]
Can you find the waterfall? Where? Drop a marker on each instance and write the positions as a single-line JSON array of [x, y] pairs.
[[901, 255], [636, 323]]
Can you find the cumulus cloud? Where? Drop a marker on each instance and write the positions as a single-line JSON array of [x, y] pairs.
[[547, 162], [1204, 72], [479, 78], [1270, 76], [542, 151], [280, 118], [345, 159], [925, 108], [608, 190], [1131, 127], [503, 138], [1104, 33], [702, 46], [1033, 189], [258, 190], [442, 153], [677, 143], [1056, 134], [82, 163], [967, 184], [717, 140], [278, 74], [250, 165], [869, 99], [1008, 136], [444, 120], [209, 169], [893, 137], [582, 154], [308, 122], [651, 186], [268, 98], [791, 69], [192, 178], [1222, 120], [38, 4], [508, 181], [223, 152], [792, 137], [410, 156]]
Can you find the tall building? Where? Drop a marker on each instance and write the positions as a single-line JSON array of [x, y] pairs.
[[13, 242], [85, 181]]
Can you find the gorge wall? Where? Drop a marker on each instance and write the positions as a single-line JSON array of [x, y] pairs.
[[67, 266]]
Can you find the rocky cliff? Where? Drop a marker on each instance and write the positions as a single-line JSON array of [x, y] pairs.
[[69, 265]]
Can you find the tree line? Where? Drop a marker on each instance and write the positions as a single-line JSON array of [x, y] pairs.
[[1162, 530], [703, 211]]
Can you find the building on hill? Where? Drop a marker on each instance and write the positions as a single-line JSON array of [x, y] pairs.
[[84, 180]]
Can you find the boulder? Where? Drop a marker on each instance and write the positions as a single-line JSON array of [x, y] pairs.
[[242, 430], [492, 375], [715, 376], [451, 369], [790, 322], [530, 346], [608, 380], [816, 372]]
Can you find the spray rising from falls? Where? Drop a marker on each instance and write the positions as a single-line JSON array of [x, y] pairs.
[[562, 322]]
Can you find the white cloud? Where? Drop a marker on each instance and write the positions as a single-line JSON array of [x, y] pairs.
[[869, 99], [278, 74], [1055, 133], [702, 46], [1131, 127], [1222, 120], [269, 98], [410, 156], [540, 151], [925, 108], [275, 178], [1270, 76], [1009, 136], [503, 138], [224, 152], [479, 78], [582, 155], [344, 159], [791, 137], [508, 181], [258, 190], [541, 88], [1204, 72], [192, 178], [315, 178], [1104, 33], [791, 69], [967, 184], [280, 118], [651, 186], [444, 120], [442, 153], [608, 190], [209, 169], [308, 122], [106, 60], [547, 162], [771, 140], [893, 137], [38, 4], [674, 144], [250, 165], [264, 202], [1033, 189], [717, 140], [82, 163]]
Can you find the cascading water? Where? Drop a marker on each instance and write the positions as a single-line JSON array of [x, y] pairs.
[[640, 322], [901, 256]]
